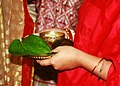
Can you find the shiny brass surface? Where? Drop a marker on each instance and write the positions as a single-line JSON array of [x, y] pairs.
[[52, 36]]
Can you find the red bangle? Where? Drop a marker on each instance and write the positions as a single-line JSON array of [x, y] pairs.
[[97, 65]]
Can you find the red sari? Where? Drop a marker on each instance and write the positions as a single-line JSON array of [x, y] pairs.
[[27, 63], [97, 33]]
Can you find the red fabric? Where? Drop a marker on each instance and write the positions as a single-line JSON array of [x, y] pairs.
[[29, 24], [26, 63], [97, 33]]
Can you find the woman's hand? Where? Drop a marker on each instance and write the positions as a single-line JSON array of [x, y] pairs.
[[69, 57], [66, 58]]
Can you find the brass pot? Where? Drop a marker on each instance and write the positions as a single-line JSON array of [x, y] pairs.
[[52, 37], [55, 38]]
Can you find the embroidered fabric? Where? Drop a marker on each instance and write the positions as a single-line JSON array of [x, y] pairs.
[[57, 14]]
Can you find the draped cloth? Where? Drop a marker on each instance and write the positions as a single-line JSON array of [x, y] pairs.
[[15, 22], [27, 64], [97, 33], [11, 27]]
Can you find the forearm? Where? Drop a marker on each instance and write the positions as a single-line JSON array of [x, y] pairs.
[[88, 62]]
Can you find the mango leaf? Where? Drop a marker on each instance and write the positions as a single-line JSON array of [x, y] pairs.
[[31, 45]]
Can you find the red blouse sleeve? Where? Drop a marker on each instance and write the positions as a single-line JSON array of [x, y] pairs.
[[113, 78], [111, 71]]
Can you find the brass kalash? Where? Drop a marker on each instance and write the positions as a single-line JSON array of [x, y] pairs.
[[54, 39]]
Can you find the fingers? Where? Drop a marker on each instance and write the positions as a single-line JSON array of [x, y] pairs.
[[44, 62]]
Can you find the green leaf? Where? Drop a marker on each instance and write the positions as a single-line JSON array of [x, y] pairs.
[[31, 45]]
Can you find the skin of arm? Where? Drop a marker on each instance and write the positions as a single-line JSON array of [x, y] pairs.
[[69, 57]]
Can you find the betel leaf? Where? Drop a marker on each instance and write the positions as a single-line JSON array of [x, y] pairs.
[[31, 45]]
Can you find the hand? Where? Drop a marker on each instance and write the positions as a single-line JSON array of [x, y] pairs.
[[66, 58], [69, 57]]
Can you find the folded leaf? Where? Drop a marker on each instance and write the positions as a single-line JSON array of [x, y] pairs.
[[31, 45]]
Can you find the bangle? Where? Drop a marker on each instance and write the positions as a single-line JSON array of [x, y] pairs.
[[101, 69], [97, 65]]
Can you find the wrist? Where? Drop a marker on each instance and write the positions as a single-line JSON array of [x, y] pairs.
[[102, 69]]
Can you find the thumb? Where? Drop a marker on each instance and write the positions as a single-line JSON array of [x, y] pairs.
[[57, 49]]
